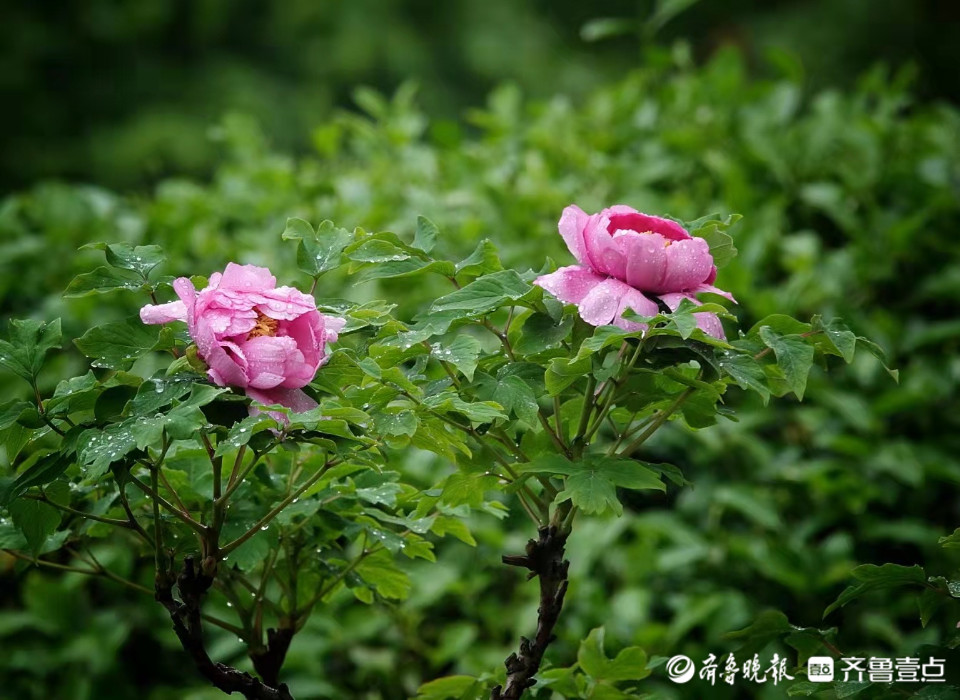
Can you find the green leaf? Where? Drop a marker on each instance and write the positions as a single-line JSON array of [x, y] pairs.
[[378, 251], [794, 357], [836, 339], [98, 449], [517, 397], [562, 372], [477, 411], [397, 422], [591, 483], [878, 353], [467, 489], [141, 259], [118, 344], [71, 395], [240, 433], [449, 688], [713, 231], [541, 332], [872, 577], [626, 473], [781, 324], [42, 472], [629, 665], [36, 520], [767, 627], [160, 391], [448, 525], [591, 656], [463, 353], [317, 251], [29, 343], [297, 229], [104, 280], [951, 541], [665, 11], [605, 27], [396, 269], [380, 571], [482, 261], [485, 294], [591, 492], [746, 372], [426, 236]]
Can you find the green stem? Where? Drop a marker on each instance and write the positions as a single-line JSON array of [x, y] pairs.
[[275, 511], [657, 422], [161, 501]]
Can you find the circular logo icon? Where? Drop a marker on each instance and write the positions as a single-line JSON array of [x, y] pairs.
[[680, 668]]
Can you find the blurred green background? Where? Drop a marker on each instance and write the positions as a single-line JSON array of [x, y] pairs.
[[830, 125]]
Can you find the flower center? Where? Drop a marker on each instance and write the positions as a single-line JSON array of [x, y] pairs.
[[264, 326], [666, 241]]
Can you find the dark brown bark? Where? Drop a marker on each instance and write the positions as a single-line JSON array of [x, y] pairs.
[[544, 559], [192, 584], [269, 661]]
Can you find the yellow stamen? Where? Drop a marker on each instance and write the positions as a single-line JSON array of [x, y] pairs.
[[264, 326]]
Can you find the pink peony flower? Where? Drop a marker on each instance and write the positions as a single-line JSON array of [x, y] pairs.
[[625, 258], [252, 334]]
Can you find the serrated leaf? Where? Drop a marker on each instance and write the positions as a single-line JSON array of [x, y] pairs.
[[29, 342], [449, 688], [872, 577], [426, 236], [104, 280], [36, 520], [240, 433], [482, 261], [484, 294], [380, 571], [141, 259], [467, 489], [540, 332], [516, 396], [463, 353], [591, 656], [320, 250], [562, 372], [42, 472], [397, 422], [591, 492], [794, 357], [118, 344], [746, 372]]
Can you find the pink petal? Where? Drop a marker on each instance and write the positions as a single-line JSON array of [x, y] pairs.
[[641, 304], [285, 303], [710, 324], [604, 303], [272, 361], [646, 258], [248, 278], [294, 399], [152, 314], [604, 255], [229, 322], [688, 264], [572, 223], [707, 288], [332, 325], [570, 284], [307, 331], [622, 217]]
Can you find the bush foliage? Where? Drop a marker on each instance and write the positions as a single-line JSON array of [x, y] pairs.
[[813, 526]]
